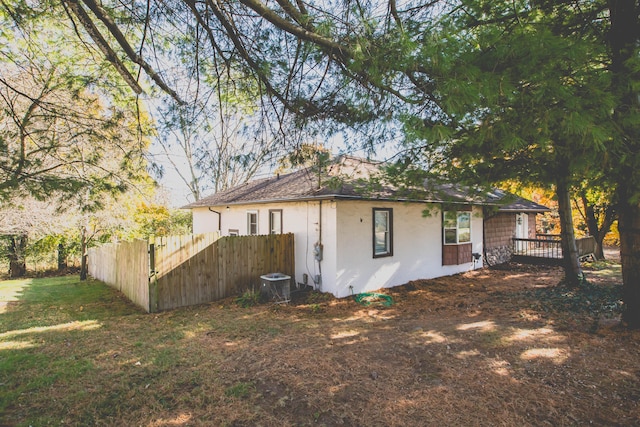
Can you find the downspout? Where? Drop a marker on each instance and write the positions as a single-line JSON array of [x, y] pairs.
[[320, 224], [219, 219], [318, 249], [485, 259]]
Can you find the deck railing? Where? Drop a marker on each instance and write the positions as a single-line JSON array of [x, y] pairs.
[[537, 248], [550, 247]]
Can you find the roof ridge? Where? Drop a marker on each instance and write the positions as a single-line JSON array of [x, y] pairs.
[[347, 172]]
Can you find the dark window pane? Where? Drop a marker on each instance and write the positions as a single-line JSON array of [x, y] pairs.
[[450, 237]]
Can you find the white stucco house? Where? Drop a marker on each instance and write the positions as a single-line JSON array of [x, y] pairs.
[[350, 240]]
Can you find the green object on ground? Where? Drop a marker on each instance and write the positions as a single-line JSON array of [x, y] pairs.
[[371, 298]]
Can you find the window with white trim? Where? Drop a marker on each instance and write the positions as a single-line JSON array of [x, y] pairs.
[[275, 221], [252, 223], [457, 227], [382, 232]]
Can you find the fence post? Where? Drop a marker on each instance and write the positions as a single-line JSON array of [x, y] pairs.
[[153, 294], [153, 278], [152, 257]]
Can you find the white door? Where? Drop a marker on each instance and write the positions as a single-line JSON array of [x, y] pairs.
[[522, 231]]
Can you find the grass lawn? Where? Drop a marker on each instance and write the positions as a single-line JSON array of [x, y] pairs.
[[491, 347]]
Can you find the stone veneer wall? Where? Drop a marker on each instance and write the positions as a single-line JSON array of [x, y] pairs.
[[498, 232], [498, 255]]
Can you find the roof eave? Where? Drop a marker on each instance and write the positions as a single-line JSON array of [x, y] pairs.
[[529, 210], [329, 197]]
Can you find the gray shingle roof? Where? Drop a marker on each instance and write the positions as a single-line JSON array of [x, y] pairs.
[[347, 179]]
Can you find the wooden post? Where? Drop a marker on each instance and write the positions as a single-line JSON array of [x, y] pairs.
[[83, 253], [153, 294]]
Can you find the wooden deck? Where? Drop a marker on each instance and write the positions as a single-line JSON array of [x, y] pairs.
[[549, 250]]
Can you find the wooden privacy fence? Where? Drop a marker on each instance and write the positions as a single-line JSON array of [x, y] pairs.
[[224, 268], [189, 270], [124, 266]]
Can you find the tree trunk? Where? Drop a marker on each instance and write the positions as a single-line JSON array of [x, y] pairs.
[[629, 227], [17, 262], [17, 269], [83, 255], [624, 37], [62, 257], [598, 231], [572, 270]]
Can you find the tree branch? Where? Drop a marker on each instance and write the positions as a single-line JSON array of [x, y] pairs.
[[103, 16], [303, 33], [103, 45], [235, 39], [394, 12], [301, 18]]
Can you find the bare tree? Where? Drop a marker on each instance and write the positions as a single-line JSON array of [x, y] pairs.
[[220, 146]]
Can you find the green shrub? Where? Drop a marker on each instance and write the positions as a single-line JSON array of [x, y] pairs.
[[249, 298]]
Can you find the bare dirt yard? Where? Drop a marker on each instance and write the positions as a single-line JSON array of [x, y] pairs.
[[491, 347]]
